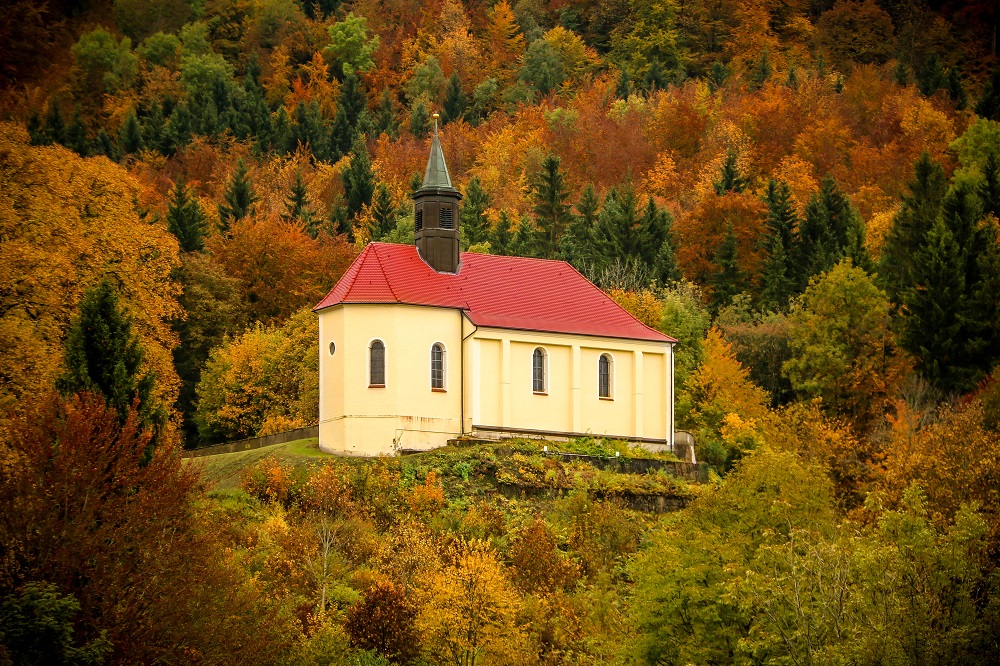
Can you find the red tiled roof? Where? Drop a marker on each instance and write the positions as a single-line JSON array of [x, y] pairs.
[[501, 292]]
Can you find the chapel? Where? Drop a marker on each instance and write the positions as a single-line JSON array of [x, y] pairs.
[[423, 343]]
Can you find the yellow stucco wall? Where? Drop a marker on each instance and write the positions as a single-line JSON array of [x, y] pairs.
[[357, 419]]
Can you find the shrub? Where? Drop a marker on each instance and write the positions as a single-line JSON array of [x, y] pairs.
[[537, 563], [269, 480]]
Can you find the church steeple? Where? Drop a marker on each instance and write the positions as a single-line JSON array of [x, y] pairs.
[[436, 222]]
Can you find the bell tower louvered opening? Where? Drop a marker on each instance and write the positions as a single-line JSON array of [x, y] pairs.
[[435, 228]]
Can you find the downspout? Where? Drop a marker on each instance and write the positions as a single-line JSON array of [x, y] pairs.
[[461, 362]]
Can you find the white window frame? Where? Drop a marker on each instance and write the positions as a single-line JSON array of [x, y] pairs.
[[545, 371], [611, 376], [444, 368], [385, 363]]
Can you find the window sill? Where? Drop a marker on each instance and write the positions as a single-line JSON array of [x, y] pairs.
[[376, 386], [439, 390], [540, 392], [608, 399]]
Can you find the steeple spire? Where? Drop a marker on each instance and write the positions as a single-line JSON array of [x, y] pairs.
[[436, 173], [435, 213]]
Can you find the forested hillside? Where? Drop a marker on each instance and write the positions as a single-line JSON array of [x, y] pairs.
[[804, 193]]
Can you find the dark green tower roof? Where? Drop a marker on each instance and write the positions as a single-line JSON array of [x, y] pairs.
[[436, 176]]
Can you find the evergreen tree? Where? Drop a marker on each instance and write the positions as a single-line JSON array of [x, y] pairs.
[[185, 219], [901, 74], [717, 76], [130, 136], [307, 129], [762, 71], [930, 77], [656, 76], [617, 224], [297, 207], [76, 136], [385, 119], [522, 244], [281, 138], [989, 187], [36, 133], [420, 120], [384, 214], [827, 233], [154, 128], [359, 179], [921, 208], [577, 244], [988, 105], [475, 226], [956, 91], [549, 193], [780, 277], [500, 236], [55, 126], [730, 179], [104, 356], [655, 227], [240, 200], [105, 145], [178, 131], [624, 86], [664, 264], [349, 115], [729, 279], [793, 78], [340, 222], [455, 100]]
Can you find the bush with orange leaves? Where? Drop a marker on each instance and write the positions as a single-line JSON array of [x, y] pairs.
[[328, 491], [427, 498], [537, 563], [384, 621], [269, 480]]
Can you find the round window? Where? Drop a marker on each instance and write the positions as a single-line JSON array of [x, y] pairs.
[[333, 348]]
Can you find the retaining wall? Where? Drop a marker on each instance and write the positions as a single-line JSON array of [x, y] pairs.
[[255, 442]]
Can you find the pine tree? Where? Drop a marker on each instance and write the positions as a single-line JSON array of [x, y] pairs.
[[105, 145], [826, 234], [455, 101], [989, 187], [385, 119], [185, 219], [130, 136], [104, 356], [956, 91], [154, 127], [793, 78], [664, 265], [717, 76], [920, 209], [778, 281], [55, 126], [475, 226], [76, 136], [307, 130], [297, 207], [930, 78], [780, 277], [359, 179], [420, 120], [729, 279], [656, 77], [577, 244], [383, 211], [350, 110], [549, 193], [36, 133], [240, 200], [730, 179], [178, 131], [500, 236], [988, 105]]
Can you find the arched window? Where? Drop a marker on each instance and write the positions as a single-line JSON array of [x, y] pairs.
[[538, 383], [604, 375], [437, 367], [376, 363]]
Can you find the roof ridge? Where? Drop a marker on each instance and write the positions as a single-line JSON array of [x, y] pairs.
[[385, 277]]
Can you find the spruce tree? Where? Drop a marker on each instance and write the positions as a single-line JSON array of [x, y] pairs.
[[281, 137], [901, 74], [36, 133], [185, 219], [656, 76], [624, 86], [655, 228], [664, 266], [730, 179], [297, 207], [930, 77], [523, 242], [350, 110], [956, 91], [130, 136], [420, 120], [475, 226], [178, 131], [307, 130], [921, 208], [793, 78], [778, 281], [762, 71], [827, 233], [455, 100], [780, 277], [500, 235], [577, 244], [615, 233], [988, 105], [358, 179], [105, 145], [729, 279], [76, 136], [55, 126], [154, 128], [989, 187], [385, 118], [104, 356], [717, 75], [383, 210], [549, 193], [240, 200]]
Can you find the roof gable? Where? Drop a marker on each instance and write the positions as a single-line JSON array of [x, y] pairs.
[[494, 291]]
